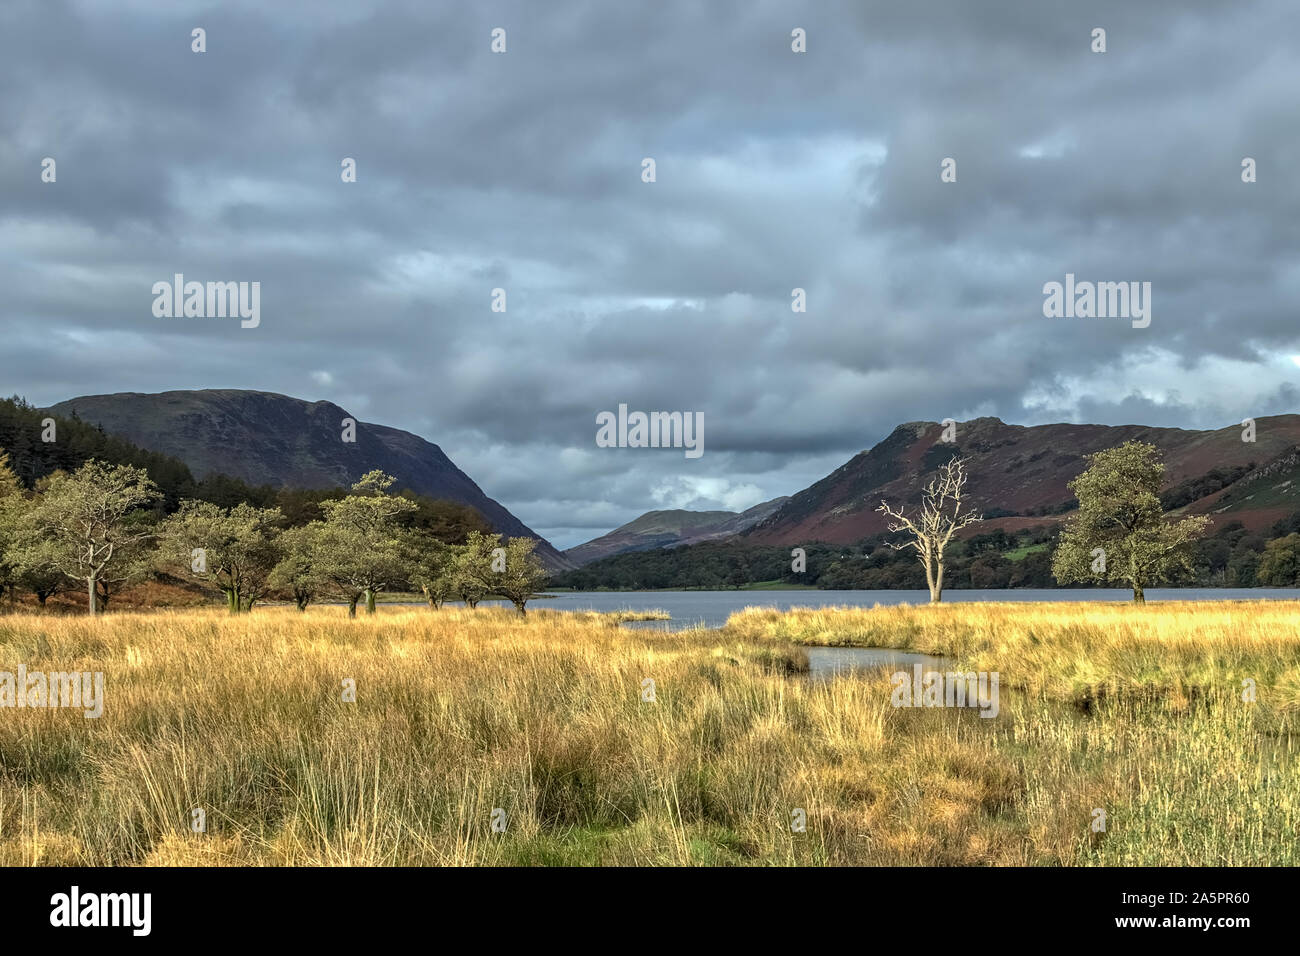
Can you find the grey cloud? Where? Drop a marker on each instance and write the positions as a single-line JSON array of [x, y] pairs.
[[774, 171]]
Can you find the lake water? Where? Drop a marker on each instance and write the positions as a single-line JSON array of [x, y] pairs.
[[711, 608]]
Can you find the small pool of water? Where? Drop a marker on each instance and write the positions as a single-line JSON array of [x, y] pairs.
[[827, 662]]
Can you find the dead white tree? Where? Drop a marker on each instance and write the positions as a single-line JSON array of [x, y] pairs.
[[941, 517]]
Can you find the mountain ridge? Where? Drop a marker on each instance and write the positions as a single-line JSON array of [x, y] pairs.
[[269, 438], [1019, 474], [670, 528]]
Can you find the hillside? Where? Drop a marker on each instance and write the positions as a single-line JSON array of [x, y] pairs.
[[1019, 475], [666, 529], [268, 439]]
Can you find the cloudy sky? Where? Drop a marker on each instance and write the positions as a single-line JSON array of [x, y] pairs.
[[774, 170]]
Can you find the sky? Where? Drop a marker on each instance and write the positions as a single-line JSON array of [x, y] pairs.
[[774, 170]]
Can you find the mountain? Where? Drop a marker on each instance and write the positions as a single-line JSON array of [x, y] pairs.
[[265, 438], [1018, 476], [667, 529]]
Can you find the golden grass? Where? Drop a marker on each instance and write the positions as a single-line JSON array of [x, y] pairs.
[[1073, 650], [461, 712]]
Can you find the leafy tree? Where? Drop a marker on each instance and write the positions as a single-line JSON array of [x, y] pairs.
[[1212, 558], [448, 521], [990, 571], [1035, 571], [740, 573], [523, 574], [1284, 526], [45, 581], [90, 526], [941, 516], [431, 568], [1120, 532], [1243, 567], [1279, 566], [363, 548], [297, 573], [471, 567], [331, 546], [12, 507], [9, 483], [231, 549], [485, 565]]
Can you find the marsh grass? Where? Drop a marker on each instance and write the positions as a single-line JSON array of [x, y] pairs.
[[1073, 651], [460, 712]]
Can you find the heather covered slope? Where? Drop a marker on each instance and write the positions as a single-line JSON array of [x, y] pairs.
[[1019, 475]]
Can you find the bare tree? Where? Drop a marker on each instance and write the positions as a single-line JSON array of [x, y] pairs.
[[941, 516]]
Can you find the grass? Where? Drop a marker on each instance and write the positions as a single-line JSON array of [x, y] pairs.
[[1074, 651], [461, 712]]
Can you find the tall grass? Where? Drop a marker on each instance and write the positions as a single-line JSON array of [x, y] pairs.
[[460, 713], [1076, 650]]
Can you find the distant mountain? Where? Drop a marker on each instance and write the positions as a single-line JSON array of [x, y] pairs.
[[265, 438], [667, 529], [1019, 476]]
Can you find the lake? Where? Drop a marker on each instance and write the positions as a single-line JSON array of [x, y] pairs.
[[711, 608]]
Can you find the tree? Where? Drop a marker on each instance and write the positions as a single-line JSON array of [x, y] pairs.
[[471, 567], [297, 571], [1279, 566], [431, 568], [45, 582], [362, 547], [331, 547], [941, 516], [231, 549], [1120, 532], [12, 507], [9, 483], [991, 571], [739, 574], [90, 525], [523, 573]]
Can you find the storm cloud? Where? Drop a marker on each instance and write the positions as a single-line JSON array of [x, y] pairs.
[[775, 170]]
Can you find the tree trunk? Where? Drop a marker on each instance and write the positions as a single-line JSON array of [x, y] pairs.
[[352, 605], [1139, 596], [301, 600], [936, 588], [92, 595], [519, 606], [232, 599], [42, 597], [370, 601]]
